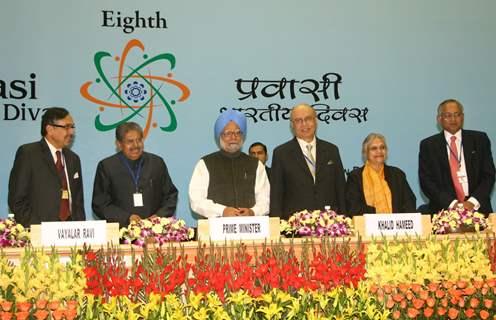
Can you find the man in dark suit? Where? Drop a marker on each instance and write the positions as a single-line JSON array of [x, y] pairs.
[[307, 172], [456, 166], [132, 184], [46, 183], [259, 150]]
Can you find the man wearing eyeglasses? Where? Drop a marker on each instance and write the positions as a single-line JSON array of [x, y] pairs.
[[46, 183], [456, 165], [132, 184], [307, 172], [229, 182]]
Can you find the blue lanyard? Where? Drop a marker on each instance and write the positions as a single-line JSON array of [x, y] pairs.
[[131, 171], [309, 161]]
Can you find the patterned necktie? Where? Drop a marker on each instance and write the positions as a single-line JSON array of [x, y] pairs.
[[65, 211], [454, 168], [310, 160]]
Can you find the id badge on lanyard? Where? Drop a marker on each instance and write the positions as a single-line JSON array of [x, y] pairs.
[[137, 196]]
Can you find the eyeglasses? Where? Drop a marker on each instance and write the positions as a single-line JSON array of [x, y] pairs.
[[449, 115], [66, 127], [300, 121], [231, 134]]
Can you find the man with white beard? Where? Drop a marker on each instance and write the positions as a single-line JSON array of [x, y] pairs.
[[229, 182]]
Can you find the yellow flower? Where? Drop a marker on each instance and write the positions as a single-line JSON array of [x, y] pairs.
[[191, 233], [147, 223], [273, 311], [240, 297], [195, 300], [157, 228], [200, 314], [110, 306]]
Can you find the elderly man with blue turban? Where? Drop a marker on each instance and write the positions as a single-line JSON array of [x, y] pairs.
[[228, 182]]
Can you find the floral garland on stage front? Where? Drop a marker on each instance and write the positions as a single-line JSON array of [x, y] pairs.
[[157, 230], [12, 234], [317, 223], [458, 219]]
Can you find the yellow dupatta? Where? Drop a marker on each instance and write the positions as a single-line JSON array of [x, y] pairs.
[[376, 190]]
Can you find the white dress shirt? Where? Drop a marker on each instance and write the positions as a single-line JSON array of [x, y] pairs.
[[462, 170], [53, 151], [303, 145]]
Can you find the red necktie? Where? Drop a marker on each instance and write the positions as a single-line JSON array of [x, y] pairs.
[[65, 211], [454, 167]]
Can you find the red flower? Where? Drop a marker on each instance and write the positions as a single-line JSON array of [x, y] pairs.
[[428, 312], [469, 313], [4, 315], [396, 314], [488, 303], [441, 311], [41, 314], [22, 315], [23, 306], [484, 314], [412, 313], [6, 305], [453, 313], [90, 256]]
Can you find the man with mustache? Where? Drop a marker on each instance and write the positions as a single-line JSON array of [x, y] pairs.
[[229, 182], [46, 183], [132, 184]]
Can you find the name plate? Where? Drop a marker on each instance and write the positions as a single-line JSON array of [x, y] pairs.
[[393, 224], [73, 233], [239, 228]]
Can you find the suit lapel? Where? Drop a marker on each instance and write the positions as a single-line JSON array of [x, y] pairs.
[[300, 158], [70, 168], [443, 153], [321, 155], [468, 148], [48, 158]]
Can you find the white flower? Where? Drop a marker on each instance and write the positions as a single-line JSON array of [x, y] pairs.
[[157, 229]]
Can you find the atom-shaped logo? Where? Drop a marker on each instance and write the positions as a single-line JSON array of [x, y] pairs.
[[135, 90]]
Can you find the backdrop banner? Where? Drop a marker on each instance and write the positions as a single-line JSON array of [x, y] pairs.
[[173, 66]]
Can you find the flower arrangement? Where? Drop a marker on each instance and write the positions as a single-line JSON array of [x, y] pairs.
[[156, 230], [41, 286], [324, 280], [317, 223], [445, 300], [458, 219], [12, 234], [434, 259]]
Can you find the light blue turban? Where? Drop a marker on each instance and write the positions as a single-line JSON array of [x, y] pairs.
[[228, 116]]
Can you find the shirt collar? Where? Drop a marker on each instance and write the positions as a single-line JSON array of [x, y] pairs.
[[457, 134], [53, 150], [303, 143]]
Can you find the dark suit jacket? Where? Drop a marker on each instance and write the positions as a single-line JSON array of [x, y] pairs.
[[403, 199], [435, 175], [114, 188], [291, 184], [267, 170], [35, 187]]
